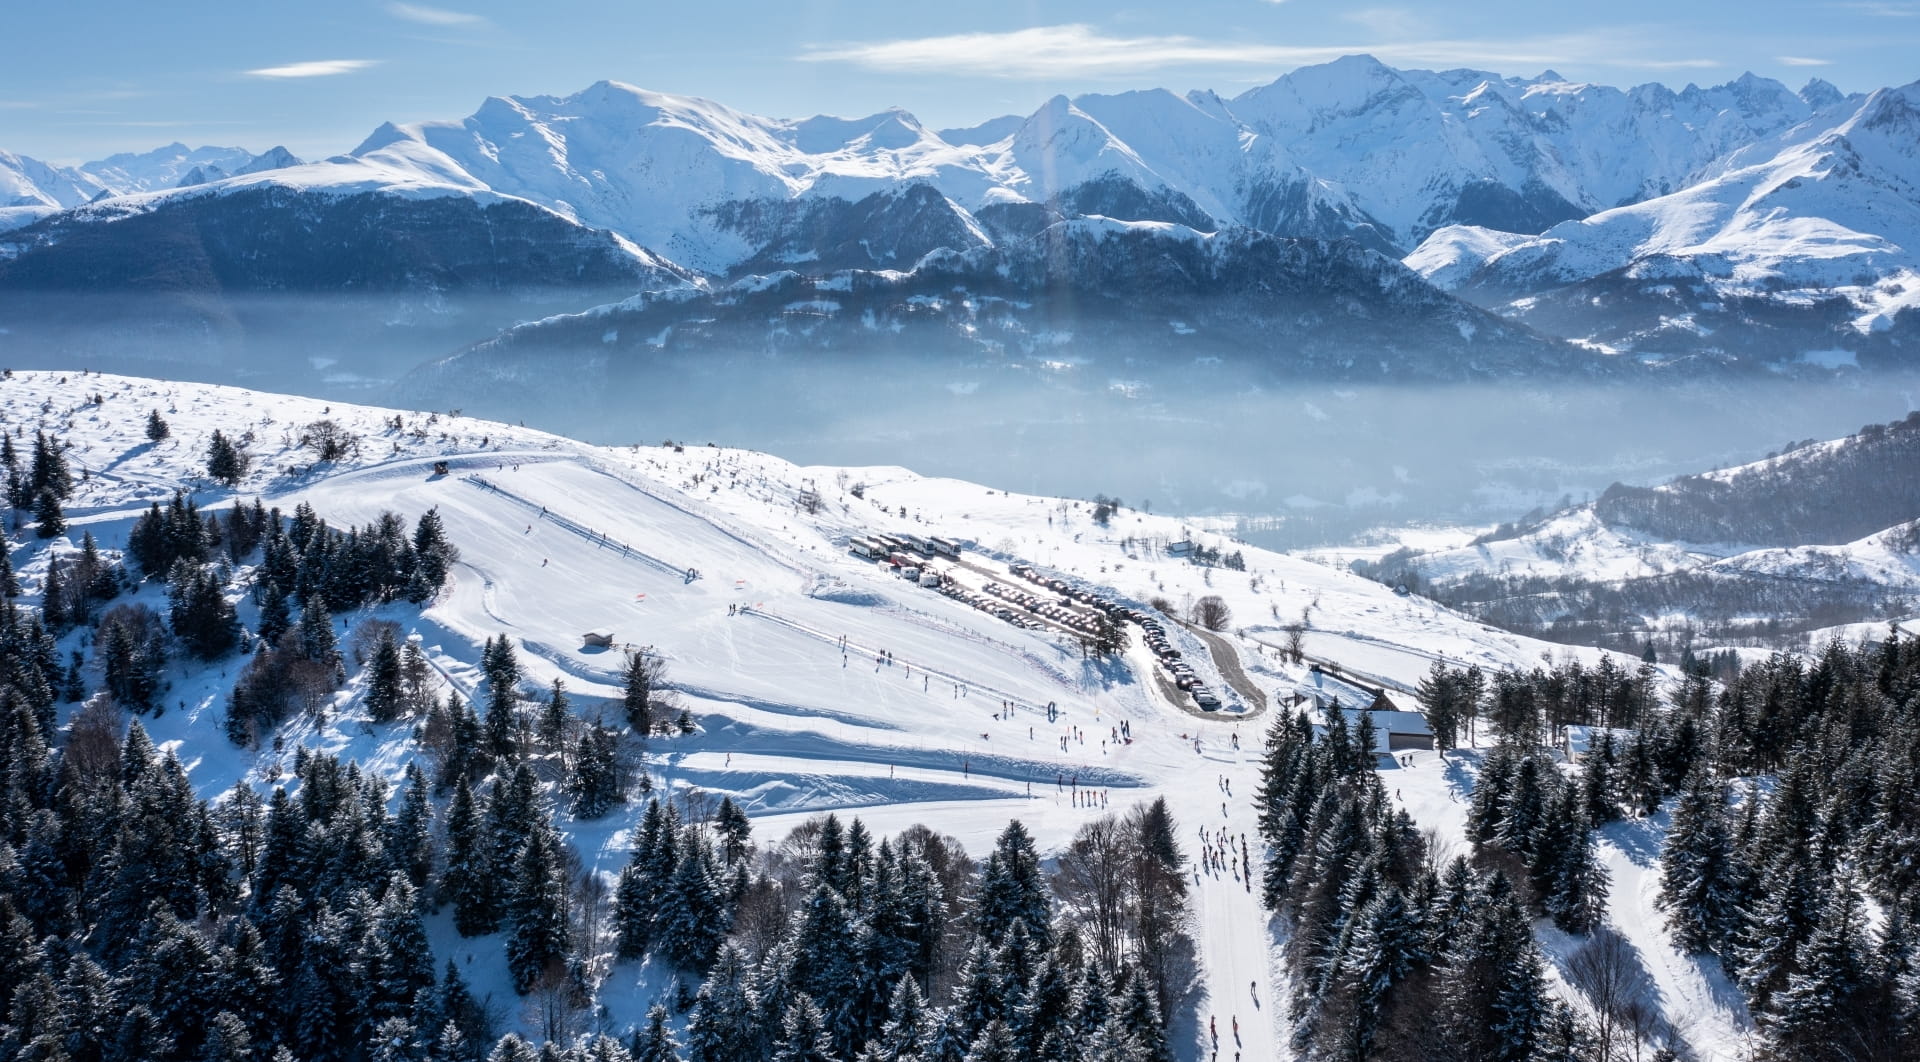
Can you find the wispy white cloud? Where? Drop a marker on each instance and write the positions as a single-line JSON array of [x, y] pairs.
[[434, 16], [314, 68], [1079, 50], [1801, 60], [1883, 10]]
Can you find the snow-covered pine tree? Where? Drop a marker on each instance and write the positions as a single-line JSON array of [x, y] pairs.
[[384, 693], [1013, 889], [1824, 996], [1695, 868], [469, 883], [594, 782], [724, 1023], [803, 1034], [540, 936], [654, 1042]]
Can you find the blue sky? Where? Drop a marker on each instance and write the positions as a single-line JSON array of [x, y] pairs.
[[80, 81]]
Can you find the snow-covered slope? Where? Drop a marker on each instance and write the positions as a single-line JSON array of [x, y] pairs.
[[558, 538], [1822, 210], [1832, 205], [1824, 533]]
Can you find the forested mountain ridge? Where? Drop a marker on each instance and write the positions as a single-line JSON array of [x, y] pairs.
[[1818, 535]]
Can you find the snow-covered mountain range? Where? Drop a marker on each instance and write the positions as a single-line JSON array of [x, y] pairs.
[[31, 189], [1530, 196]]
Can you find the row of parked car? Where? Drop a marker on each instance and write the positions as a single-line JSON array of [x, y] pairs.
[[1155, 635], [1034, 604], [990, 603]]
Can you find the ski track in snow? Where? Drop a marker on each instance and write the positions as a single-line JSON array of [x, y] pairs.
[[789, 724]]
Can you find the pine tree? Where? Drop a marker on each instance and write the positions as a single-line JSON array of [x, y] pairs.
[[1576, 894], [48, 472], [9, 583], [908, 1032], [227, 1039], [537, 947], [513, 1048], [275, 617], [1695, 869], [434, 557], [316, 639], [638, 696], [594, 785], [736, 831], [1438, 695], [50, 521], [1139, 1014], [503, 673], [469, 882], [410, 836], [655, 1043], [1824, 995], [553, 718], [226, 463], [1012, 889], [724, 1024], [803, 1034], [416, 693], [384, 693], [157, 429]]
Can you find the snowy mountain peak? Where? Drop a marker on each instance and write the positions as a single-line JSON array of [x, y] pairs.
[[1821, 94]]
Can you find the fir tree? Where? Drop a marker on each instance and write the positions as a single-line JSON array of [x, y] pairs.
[[736, 831], [157, 430], [803, 1035], [48, 472], [1695, 869], [655, 1042], [469, 882], [384, 693], [49, 520], [434, 557], [553, 719], [1824, 996], [537, 947], [275, 617], [1013, 890], [594, 784], [638, 696], [724, 1024], [226, 463]]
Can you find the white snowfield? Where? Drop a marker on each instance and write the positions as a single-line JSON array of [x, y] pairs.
[[929, 711]]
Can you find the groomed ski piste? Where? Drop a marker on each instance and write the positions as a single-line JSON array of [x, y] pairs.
[[818, 680]]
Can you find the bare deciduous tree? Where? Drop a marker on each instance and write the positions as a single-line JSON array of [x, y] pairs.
[[1212, 613], [1296, 644]]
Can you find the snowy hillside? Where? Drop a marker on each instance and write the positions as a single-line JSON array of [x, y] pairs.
[[1816, 537], [810, 672]]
